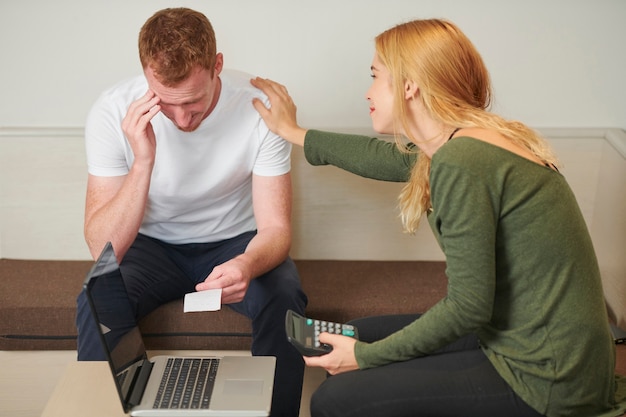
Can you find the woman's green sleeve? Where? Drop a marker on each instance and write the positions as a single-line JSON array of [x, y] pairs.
[[361, 155]]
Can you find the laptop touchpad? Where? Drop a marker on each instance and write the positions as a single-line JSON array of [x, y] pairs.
[[243, 387]]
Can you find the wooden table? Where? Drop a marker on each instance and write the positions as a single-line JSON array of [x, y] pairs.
[[85, 389]]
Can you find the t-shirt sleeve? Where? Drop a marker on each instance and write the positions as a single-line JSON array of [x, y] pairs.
[[105, 144], [274, 156]]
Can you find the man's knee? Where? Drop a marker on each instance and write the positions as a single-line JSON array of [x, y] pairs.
[[274, 293], [283, 283]]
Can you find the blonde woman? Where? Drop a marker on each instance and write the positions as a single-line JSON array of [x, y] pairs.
[[523, 330]]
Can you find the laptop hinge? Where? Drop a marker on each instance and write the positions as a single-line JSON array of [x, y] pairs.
[[139, 384]]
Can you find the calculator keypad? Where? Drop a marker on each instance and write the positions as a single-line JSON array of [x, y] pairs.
[[320, 326]]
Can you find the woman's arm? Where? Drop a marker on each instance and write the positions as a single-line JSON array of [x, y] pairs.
[[361, 155]]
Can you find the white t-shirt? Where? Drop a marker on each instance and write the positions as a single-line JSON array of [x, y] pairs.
[[201, 187]]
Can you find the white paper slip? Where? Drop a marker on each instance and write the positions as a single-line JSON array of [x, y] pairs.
[[208, 300]]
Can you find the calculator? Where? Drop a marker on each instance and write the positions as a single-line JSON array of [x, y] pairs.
[[303, 333]]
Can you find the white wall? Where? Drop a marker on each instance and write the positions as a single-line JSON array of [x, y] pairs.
[[336, 215], [556, 63]]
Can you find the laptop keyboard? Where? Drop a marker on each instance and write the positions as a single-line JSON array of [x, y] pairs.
[[187, 383]]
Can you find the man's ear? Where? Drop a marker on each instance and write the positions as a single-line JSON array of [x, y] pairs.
[[411, 90], [219, 63]]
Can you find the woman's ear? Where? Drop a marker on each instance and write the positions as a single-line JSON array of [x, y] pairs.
[[411, 90]]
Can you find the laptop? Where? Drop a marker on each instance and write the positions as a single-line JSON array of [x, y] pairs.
[[169, 385]]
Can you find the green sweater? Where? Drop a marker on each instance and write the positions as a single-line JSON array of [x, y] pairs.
[[522, 272]]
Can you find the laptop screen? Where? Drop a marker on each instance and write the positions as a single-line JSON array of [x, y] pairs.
[[112, 311]]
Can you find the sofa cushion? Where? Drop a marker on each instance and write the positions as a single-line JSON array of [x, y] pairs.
[[38, 302]]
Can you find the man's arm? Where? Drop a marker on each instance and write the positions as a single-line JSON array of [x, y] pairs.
[[272, 210], [272, 199], [115, 206], [114, 209]]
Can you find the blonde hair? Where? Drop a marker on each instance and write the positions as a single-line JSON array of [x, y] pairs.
[[455, 88], [175, 41]]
